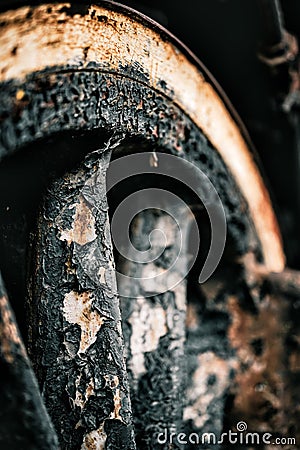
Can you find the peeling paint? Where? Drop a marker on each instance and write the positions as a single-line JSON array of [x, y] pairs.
[[199, 394], [83, 229], [112, 381], [79, 340], [118, 405], [95, 440], [80, 399], [154, 327], [148, 326], [78, 310]]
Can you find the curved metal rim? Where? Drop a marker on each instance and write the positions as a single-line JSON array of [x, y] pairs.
[[148, 21], [192, 93]]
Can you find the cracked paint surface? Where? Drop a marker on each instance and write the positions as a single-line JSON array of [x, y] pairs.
[[83, 229], [145, 337], [78, 310], [154, 326], [76, 286]]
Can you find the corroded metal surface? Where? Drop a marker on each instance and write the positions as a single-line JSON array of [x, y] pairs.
[[264, 334], [154, 326], [243, 353], [24, 422], [86, 100], [136, 82], [92, 100], [64, 36], [76, 339]]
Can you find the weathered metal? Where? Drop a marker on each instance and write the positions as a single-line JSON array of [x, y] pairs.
[[24, 421], [67, 37], [146, 111], [58, 79], [154, 325], [76, 340]]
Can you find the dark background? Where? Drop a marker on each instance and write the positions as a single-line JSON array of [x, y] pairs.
[[226, 35]]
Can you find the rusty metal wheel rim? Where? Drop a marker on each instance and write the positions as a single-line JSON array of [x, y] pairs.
[[26, 85]]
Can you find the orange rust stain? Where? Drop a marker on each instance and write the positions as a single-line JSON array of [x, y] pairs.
[[260, 377], [20, 94]]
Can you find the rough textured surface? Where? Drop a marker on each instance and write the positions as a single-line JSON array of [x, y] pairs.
[[154, 326], [264, 333], [85, 101], [24, 422], [129, 45], [75, 337], [243, 353], [90, 100], [211, 361], [79, 321]]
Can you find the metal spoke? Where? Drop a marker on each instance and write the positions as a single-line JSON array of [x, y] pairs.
[[76, 338]]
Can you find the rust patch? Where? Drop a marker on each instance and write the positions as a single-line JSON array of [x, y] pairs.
[[20, 94], [259, 344], [78, 310]]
